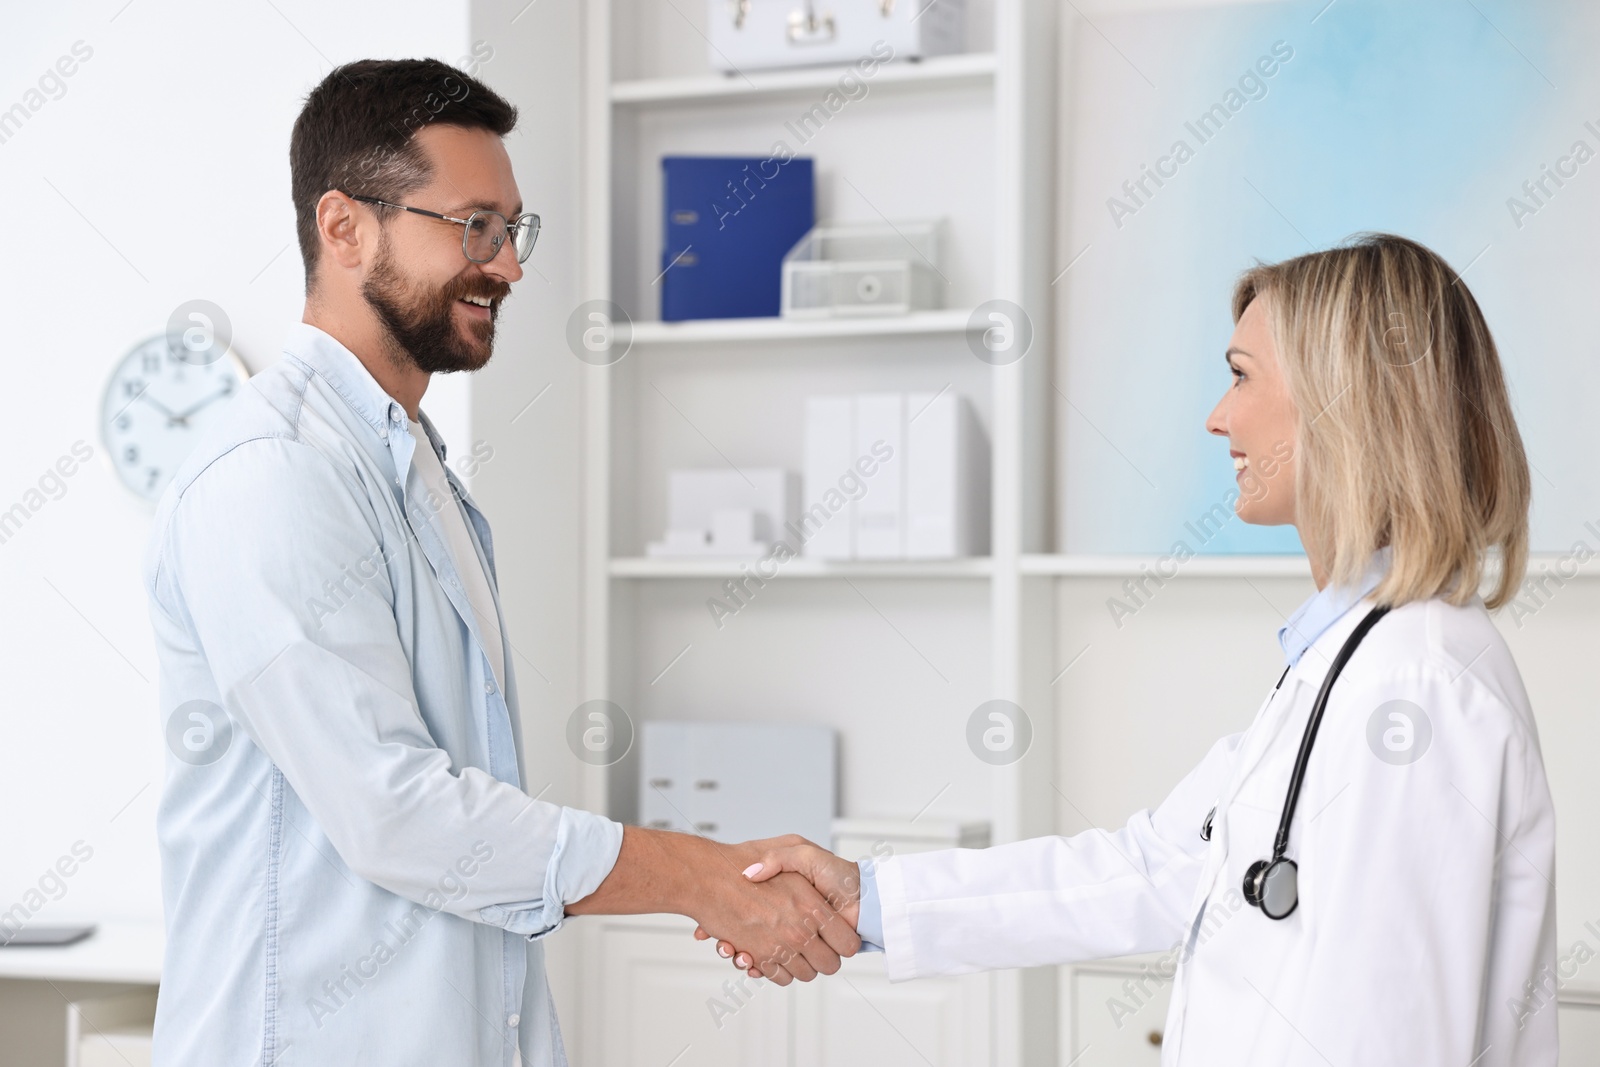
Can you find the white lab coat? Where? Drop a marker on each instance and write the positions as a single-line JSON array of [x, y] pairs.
[[1427, 894]]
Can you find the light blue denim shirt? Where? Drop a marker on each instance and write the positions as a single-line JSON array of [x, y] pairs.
[[353, 871], [1310, 620]]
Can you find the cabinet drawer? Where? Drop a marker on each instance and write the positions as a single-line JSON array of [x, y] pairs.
[[1113, 1026]]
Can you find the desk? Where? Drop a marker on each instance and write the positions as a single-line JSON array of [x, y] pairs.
[[51, 999]]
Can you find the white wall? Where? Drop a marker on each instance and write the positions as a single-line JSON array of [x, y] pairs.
[[159, 175]]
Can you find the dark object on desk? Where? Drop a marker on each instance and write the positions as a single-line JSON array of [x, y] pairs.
[[729, 221], [34, 936]]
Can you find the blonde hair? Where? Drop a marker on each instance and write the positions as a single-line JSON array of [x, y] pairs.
[[1404, 431]]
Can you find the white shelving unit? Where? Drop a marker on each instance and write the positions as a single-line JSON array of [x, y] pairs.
[[973, 143], [1075, 566]]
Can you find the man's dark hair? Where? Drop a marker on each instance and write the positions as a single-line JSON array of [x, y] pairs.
[[357, 133]]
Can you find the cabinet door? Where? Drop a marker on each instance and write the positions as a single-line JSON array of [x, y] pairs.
[[857, 1017], [1110, 1026], [664, 998], [1580, 1034]]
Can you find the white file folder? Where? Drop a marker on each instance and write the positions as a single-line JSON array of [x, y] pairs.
[[947, 478], [881, 511], [827, 515]]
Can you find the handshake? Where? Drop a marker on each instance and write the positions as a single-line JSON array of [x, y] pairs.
[[798, 917], [782, 908]]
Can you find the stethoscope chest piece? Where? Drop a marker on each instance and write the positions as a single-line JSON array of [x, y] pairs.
[[1273, 886]]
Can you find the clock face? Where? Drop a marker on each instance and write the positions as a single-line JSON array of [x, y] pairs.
[[159, 399]]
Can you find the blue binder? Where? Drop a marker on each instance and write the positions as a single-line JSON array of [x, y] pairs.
[[728, 221]]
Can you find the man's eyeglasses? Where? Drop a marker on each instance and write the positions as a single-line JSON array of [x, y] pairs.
[[483, 231]]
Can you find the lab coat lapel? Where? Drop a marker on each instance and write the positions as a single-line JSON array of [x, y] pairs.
[[1264, 730], [1291, 706], [1269, 720]]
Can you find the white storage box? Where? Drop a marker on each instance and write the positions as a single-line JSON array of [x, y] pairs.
[[894, 476], [726, 513], [738, 781], [759, 34], [868, 269]]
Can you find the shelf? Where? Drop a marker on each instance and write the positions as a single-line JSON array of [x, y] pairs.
[[705, 331], [1218, 566], [938, 72], [116, 952], [645, 567]]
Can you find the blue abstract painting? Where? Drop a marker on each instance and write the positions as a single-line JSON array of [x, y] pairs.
[[1204, 139]]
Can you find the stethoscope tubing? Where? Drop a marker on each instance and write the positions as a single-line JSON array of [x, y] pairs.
[[1281, 843]]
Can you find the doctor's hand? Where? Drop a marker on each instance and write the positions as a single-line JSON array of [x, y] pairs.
[[838, 880]]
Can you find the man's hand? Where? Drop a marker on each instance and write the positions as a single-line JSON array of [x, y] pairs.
[[787, 928], [837, 880]]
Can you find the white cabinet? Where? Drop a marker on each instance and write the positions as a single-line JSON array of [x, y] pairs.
[[858, 1017], [664, 998], [1113, 1013], [1580, 1031]]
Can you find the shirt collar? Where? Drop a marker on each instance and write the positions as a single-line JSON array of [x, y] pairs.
[[348, 376], [1327, 606]]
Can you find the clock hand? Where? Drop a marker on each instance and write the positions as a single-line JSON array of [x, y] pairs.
[[153, 402], [218, 395]]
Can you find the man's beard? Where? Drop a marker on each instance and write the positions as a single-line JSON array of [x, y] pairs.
[[423, 327]]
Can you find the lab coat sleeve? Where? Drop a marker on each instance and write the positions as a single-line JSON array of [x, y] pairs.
[[1433, 897], [328, 696], [1050, 900]]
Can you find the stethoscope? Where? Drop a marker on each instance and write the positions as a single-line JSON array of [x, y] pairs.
[[1274, 885]]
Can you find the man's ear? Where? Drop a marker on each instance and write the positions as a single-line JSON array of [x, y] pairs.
[[338, 230]]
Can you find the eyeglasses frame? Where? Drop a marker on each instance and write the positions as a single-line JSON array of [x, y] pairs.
[[510, 224]]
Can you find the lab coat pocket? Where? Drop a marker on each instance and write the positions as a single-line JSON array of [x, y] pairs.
[[1251, 829]]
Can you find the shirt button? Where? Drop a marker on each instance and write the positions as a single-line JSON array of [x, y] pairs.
[[488, 687], [514, 1019]]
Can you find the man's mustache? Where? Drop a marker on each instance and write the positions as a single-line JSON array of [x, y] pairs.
[[468, 285]]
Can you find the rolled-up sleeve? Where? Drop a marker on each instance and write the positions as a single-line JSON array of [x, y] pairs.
[[586, 849], [316, 676]]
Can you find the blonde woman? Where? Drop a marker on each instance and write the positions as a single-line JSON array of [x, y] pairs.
[[1363, 884]]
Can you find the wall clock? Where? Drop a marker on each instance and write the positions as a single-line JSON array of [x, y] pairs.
[[160, 396]]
